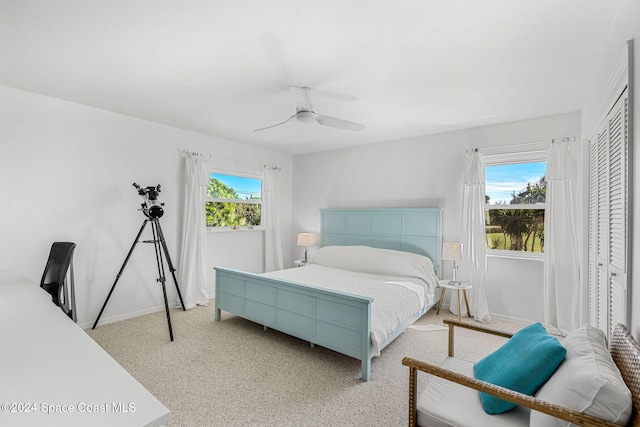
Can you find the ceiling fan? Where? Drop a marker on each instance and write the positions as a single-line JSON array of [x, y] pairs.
[[305, 114]]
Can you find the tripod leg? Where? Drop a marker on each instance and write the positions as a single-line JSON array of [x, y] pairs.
[[124, 264], [170, 264], [162, 279], [166, 308]]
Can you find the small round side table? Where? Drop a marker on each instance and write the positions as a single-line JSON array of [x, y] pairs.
[[458, 286]]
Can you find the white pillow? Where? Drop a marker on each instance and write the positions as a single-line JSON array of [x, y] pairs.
[[587, 381], [386, 262]]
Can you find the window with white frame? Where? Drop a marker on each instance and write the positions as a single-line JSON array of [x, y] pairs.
[[515, 194], [234, 201]]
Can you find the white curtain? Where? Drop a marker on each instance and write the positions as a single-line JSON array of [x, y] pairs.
[[271, 217], [561, 288], [473, 236], [192, 277]]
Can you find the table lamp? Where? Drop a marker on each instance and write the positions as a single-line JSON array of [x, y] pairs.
[[452, 251], [306, 239]]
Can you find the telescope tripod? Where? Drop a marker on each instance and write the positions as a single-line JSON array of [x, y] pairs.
[[160, 248]]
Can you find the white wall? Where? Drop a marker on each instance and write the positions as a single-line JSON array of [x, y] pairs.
[[66, 174], [425, 171]]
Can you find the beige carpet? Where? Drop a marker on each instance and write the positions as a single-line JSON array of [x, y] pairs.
[[233, 373]]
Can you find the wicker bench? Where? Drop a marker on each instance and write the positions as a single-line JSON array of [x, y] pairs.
[[624, 351]]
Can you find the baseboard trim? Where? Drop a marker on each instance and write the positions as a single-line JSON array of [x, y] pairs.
[[131, 315], [500, 317]]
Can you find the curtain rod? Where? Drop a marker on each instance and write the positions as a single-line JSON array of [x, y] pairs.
[[195, 153], [232, 162], [524, 144], [244, 164]]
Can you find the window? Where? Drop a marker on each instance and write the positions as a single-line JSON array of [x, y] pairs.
[[515, 194], [234, 201]]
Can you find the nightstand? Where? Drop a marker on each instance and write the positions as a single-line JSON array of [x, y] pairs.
[[458, 286], [300, 262]]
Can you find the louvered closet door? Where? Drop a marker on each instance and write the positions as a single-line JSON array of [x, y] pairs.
[[608, 208], [593, 225], [598, 231], [618, 143]]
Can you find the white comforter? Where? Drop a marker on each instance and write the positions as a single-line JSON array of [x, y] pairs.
[[395, 298]]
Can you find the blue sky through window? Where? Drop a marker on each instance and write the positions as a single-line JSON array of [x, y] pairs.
[[502, 180], [244, 186]]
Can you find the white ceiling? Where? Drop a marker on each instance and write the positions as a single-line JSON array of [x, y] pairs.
[[223, 67]]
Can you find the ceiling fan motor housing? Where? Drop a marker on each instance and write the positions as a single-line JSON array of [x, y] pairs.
[[305, 116]]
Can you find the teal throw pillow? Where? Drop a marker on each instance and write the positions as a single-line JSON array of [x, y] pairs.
[[522, 364]]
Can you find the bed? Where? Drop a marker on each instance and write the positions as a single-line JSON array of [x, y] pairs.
[[375, 275]]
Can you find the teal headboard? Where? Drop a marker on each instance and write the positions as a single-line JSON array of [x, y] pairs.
[[417, 230]]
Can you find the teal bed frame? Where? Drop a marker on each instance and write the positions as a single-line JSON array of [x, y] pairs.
[[335, 320]]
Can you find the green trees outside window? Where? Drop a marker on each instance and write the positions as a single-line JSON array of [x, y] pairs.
[[233, 201], [516, 229], [518, 225]]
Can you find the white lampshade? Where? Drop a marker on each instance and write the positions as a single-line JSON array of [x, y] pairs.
[[306, 239], [452, 251]]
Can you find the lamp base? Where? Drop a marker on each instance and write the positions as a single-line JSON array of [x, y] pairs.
[[453, 281]]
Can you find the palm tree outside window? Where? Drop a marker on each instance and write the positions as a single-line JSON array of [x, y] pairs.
[[515, 194]]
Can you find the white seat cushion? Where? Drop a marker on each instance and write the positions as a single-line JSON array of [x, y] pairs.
[[587, 381], [443, 403]]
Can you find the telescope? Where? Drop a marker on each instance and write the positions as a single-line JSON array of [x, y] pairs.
[[151, 207]]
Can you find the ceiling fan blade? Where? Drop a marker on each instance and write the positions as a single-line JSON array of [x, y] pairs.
[[302, 98], [277, 124], [275, 53], [338, 123]]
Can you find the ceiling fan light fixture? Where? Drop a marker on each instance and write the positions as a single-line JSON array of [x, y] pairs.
[[305, 114], [305, 117]]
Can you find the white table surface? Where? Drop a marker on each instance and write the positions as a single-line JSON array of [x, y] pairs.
[[460, 286], [49, 364]]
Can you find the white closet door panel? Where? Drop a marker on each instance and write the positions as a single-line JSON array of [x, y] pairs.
[[602, 291], [608, 219], [602, 196], [617, 235], [593, 233], [618, 309]]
